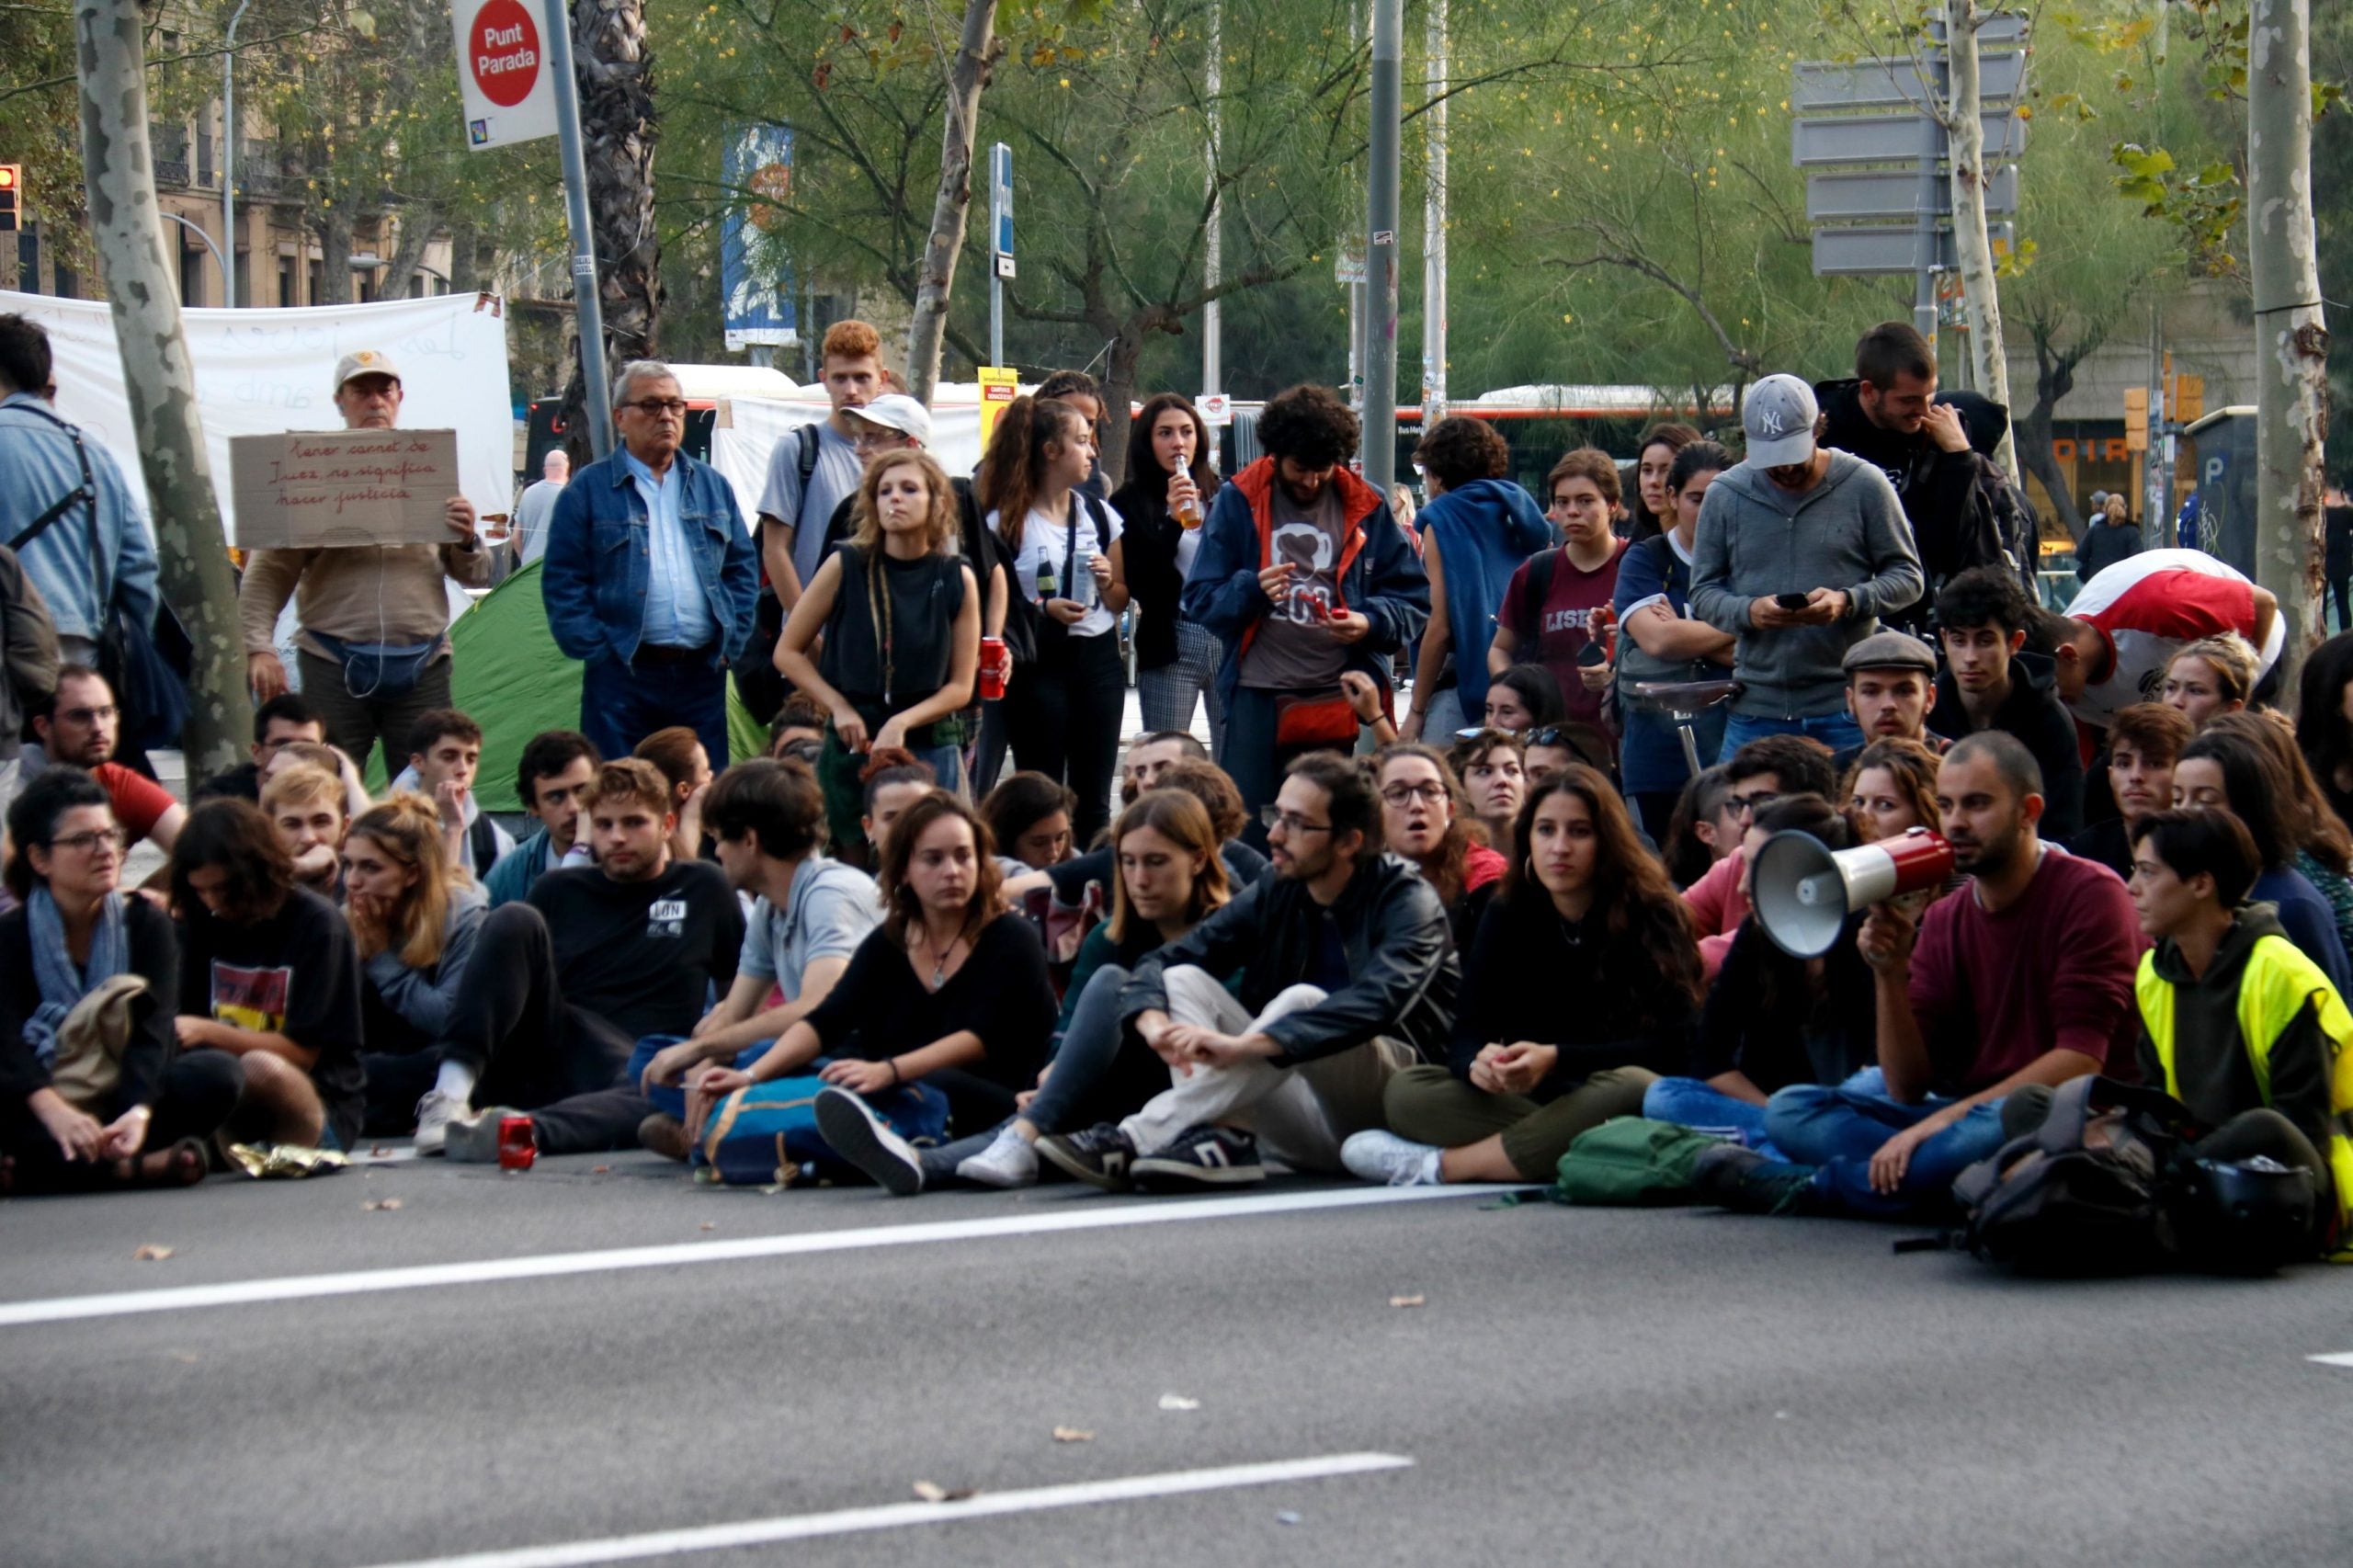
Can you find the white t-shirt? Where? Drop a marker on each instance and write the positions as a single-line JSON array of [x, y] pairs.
[[1188, 545], [1044, 539]]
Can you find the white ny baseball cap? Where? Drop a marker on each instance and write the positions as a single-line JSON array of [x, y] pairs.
[[1779, 416]]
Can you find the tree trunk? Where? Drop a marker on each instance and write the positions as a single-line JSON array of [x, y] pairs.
[[332, 222], [1987, 362], [2054, 378], [127, 229], [1120, 396], [617, 126], [2291, 336], [467, 262], [418, 221], [970, 73]]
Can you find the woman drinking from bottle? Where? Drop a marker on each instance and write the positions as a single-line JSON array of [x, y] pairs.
[[1160, 507]]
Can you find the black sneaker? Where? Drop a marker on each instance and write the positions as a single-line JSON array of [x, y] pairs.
[[1749, 1183], [851, 1129], [1100, 1156], [1206, 1156]]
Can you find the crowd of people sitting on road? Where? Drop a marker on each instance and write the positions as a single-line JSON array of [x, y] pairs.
[[1434, 946]]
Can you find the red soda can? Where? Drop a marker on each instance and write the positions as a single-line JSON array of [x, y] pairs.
[[992, 669], [518, 1145]]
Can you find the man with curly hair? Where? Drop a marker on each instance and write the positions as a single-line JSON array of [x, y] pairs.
[[1303, 572]]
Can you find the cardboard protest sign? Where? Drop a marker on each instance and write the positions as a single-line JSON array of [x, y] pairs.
[[335, 489]]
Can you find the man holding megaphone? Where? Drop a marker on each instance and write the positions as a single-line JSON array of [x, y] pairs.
[[2023, 976]]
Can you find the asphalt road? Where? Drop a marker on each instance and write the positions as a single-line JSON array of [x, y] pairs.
[[1577, 1386]]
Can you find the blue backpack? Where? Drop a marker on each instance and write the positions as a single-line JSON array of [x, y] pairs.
[[767, 1135]]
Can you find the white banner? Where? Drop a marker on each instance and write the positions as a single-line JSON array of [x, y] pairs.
[[262, 372], [503, 78], [748, 429]]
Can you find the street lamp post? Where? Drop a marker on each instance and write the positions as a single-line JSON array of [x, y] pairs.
[[229, 145], [228, 280]]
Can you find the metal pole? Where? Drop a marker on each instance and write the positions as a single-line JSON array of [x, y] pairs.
[[199, 232], [229, 145], [588, 305], [1212, 249], [1928, 207], [1434, 222], [997, 183], [1379, 455]]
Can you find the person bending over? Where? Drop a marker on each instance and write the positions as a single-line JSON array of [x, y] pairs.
[[1772, 1020], [1589, 915], [414, 919], [268, 975], [92, 1093], [1346, 975], [948, 991], [563, 986], [553, 774], [2024, 976], [1169, 879], [809, 913]]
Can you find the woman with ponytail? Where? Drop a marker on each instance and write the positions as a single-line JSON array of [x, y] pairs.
[[1062, 713]]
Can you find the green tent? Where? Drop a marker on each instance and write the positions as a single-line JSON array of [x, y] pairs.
[[512, 680]]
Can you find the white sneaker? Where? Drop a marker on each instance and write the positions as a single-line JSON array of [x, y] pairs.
[[435, 1112], [1390, 1160], [1011, 1161]]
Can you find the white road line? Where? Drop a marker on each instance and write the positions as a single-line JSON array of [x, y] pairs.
[[1076, 1216], [2334, 1358], [895, 1516]]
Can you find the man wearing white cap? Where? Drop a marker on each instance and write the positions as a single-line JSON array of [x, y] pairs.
[[372, 641], [1800, 550]]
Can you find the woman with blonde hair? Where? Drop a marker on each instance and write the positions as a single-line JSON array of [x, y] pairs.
[[901, 621], [2210, 678], [413, 918]]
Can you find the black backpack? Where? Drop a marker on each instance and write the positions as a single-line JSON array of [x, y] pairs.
[[2087, 1192]]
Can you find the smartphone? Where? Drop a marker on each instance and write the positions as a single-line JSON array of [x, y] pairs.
[[1591, 654], [1791, 601]]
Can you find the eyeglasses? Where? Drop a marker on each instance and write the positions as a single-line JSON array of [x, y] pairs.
[[87, 843], [1290, 821], [1551, 735], [87, 715], [1745, 805], [1403, 794], [655, 407]]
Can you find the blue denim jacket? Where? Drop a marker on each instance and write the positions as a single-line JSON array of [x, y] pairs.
[[593, 576], [36, 466]]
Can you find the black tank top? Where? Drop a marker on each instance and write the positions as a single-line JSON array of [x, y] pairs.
[[919, 601]]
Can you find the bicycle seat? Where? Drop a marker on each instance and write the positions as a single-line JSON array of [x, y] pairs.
[[1685, 695]]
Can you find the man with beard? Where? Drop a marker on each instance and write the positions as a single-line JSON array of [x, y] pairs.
[[2024, 976], [1303, 574], [1346, 975], [79, 726], [1891, 679]]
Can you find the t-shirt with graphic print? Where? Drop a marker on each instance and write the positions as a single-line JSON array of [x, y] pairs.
[[294, 974], [643, 956], [1294, 650], [1555, 638]]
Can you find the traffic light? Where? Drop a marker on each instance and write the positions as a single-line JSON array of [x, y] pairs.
[[12, 178], [2136, 419]]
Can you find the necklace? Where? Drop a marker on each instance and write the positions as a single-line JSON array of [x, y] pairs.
[[939, 966]]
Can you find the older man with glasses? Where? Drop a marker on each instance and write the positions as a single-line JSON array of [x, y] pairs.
[[649, 576]]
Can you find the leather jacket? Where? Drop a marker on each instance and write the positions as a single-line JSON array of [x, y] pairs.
[[1403, 971]]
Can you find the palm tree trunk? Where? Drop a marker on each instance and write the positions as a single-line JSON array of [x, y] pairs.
[[618, 130]]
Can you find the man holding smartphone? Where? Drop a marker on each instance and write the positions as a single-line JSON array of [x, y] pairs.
[[1799, 550]]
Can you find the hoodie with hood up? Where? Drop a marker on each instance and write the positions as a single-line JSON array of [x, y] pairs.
[[1954, 523], [1756, 539]]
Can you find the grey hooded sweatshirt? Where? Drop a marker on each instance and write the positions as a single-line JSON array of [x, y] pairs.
[[1755, 539]]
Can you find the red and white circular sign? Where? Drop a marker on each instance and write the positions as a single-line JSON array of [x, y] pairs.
[[502, 52]]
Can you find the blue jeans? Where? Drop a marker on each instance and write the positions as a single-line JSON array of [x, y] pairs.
[[670, 1099], [1837, 730], [622, 704], [1840, 1129], [1689, 1102]]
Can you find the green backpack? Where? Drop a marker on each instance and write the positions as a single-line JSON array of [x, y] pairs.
[[1631, 1162]]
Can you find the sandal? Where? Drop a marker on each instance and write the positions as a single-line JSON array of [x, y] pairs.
[[182, 1164]]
